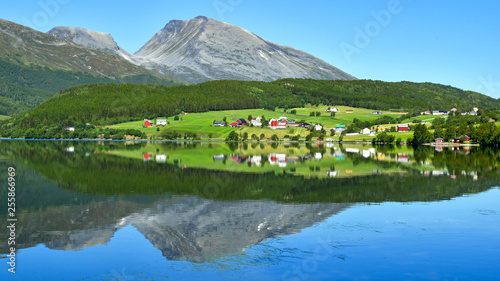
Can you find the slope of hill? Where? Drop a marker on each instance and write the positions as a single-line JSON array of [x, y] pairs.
[[204, 49], [35, 62], [110, 103]]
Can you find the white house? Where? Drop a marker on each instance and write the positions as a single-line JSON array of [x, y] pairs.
[[71, 129], [161, 158], [366, 131], [318, 127], [256, 122], [219, 123], [161, 122], [334, 109]]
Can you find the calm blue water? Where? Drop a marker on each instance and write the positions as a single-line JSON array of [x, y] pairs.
[[101, 211], [448, 240]]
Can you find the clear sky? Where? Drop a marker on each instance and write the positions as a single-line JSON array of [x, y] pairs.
[[452, 42]]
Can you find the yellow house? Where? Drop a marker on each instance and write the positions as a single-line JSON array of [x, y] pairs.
[[380, 129]]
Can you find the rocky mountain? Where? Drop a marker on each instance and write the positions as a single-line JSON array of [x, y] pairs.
[[35, 65], [23, 45], [91, 39], [205, 49]]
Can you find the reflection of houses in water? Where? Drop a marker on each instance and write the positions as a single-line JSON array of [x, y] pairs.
[[277, 159], [256, 160], [219, 157], [352, 150], [403, 158], [439, 148], [339, 155], [161, 158], [445, 173], [369, 152], [147, 157], [331, 174], [238, 159], [70, 149], [318, 156]]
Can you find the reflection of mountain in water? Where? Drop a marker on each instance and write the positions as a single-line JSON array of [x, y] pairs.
[[183, 228], [194, 229]]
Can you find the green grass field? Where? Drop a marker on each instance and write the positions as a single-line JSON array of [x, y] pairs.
[[3, 117], [201, 123]]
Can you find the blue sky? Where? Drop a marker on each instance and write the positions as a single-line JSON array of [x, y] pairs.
[[452, 42]]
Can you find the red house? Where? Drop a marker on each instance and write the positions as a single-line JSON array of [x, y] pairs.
[[403, 128], [147, 123], [439, 140], [235, 124]]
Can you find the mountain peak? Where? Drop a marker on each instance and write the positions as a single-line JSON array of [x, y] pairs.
[[203, 49], [87, 38]]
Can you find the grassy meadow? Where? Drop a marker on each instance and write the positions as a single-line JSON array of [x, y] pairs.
[[201, 123]]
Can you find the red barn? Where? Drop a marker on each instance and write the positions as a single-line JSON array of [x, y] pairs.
[[147, 123], [403, 128]]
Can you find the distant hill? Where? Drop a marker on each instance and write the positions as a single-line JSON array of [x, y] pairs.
[[33, 62], [111, 103]]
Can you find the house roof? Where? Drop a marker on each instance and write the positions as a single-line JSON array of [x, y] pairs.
[[340, 126], [402, 125]]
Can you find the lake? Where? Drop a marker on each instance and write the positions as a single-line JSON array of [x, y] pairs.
[[252, 211]]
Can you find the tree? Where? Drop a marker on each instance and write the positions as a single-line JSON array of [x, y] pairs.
[[421, 135], [439, 132], [275, 137], [233, 136], [262, 136], [250, 117], [245, 136], [311, 113], [318, 113], [332, 114]]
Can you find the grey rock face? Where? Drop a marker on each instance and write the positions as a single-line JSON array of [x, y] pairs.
[[91, 39], [205, 49]]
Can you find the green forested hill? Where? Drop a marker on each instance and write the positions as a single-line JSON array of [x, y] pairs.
[[23, 87], [111, 103]]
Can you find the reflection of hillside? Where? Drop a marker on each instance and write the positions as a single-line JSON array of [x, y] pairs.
[[104, 174], [183, 228]]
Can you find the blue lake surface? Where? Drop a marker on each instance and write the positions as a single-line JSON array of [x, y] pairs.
[[69, 231]]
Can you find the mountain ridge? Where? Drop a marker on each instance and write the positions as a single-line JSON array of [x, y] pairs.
[[204, 49], [207, 49]]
